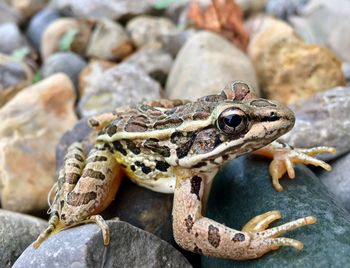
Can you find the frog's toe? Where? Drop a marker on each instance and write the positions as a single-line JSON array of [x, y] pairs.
[[261, 222]]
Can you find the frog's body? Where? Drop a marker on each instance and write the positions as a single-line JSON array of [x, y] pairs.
[[177, 147]]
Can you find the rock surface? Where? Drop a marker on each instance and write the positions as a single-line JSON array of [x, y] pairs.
[[244, 190], [121, 85], [205, 64], [17, 231], [323, 121], [28, 8], [14, 39], [9, 14], [287, 67], [109, 41], [83, 247], [32, 123]]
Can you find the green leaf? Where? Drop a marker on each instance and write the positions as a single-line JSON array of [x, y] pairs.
[[37, 77], [67, 39], [163, 4], [20, 54]]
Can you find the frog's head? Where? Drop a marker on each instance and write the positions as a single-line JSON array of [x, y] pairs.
[[237, 126]]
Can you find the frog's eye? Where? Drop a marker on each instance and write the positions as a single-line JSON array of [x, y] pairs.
[[232, 121]]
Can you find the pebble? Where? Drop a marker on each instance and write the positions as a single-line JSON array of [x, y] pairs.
[[156, 62], [32, 123], [283, 9], [28, 7], [17, 232], [205, 64], [14, 39], [174, 41], [14, 76], [65, 62], [146, 31], [121, 85], [288, 68], [50, 42], [83, 247], [109, 41], [323, 120], [243, 190], [38, 24], [9, 14]]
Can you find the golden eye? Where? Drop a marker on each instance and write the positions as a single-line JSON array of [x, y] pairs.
[[233, 121]]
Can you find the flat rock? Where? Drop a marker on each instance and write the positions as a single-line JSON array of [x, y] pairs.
[[323, 120], [82, 246], [244, 189], [205, 64], [109, 41], [288, 68], [121, 85], [156, 62], [14, 39], [32, 123], [17, 231]]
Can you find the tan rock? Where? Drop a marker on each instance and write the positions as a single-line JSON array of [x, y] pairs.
[[56, 30], [31, 125], [28, 7], [288, 68]]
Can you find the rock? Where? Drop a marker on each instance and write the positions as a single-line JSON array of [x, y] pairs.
[[17, 231], [91, 73], [174, 41], [287, 67], [14, 39], [9, 14], [283, 9], [121, 85], [28, 7], [223, 62], [65, 62], [244, 189], [252, 6], [114, 10], [346, 71], [14, 75], [32, 123], [323, 121], [146, 31], [50, 42], [38, 25], [109, 41], [155, 62], [83, 247]]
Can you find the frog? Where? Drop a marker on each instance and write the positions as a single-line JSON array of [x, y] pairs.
[[177, 147]]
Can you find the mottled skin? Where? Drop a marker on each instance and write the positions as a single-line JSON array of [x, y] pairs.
[[177, 147]]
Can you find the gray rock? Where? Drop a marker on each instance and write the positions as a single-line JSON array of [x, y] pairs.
[[38, 24], [9, 14], [12, 38], [17, 231], [243, 190], [205, 64], [323, 121], [155, 62], [338, 180], [285, 8], [174, 41], [346, 71], [121, 85], [114, 9], [146, 31], [82, 247], [109, 41], [64, 62]]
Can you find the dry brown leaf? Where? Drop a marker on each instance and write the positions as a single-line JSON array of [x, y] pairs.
[[222, 16]]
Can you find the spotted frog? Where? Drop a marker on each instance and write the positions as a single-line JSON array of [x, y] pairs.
[[175, 146]]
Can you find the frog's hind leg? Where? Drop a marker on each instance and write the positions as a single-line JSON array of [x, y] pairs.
[[199, 234]]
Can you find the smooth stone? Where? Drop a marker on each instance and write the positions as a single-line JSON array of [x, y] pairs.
[[288, 68], [114, 10], [15, 75], [38, 24], [125, 84], [244, 190], [29, 7], [17, 232], [283, 9], [346, 71], [109, 41], [174, 41], [82, 246], [14, 39], [9, 14], [156, 62], [50, 41], [146, 31], [323, 120], [64, 62], [32, 123], [223, 62]]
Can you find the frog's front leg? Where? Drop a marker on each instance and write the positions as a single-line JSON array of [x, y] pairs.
[[285, 156], [199, 234]]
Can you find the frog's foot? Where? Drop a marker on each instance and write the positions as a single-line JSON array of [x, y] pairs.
[[102, 224]]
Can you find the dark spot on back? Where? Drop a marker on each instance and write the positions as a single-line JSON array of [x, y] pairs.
[[200, 164], [95, 174], [201, 115], [213, 236], [119, 147], [137, 123], [196, 185], [78, 157], [132, 167], [168, 122], [153, 145], [98, 158], [145, 169], [189, 223], [162, 165], [239, 237], [111, 130], [184, 148], [262, 103], [72, 178], [77, 199], [132, 147]]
